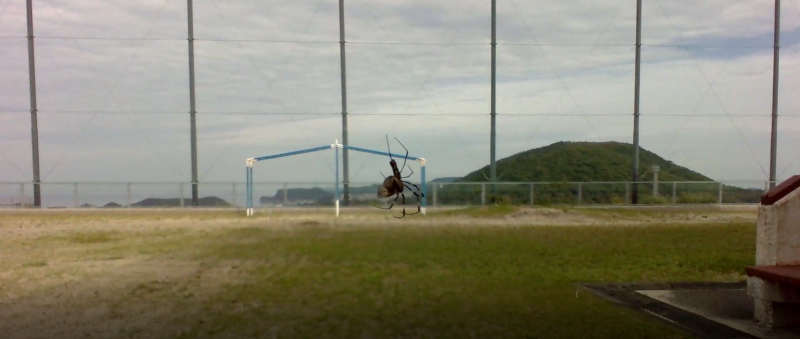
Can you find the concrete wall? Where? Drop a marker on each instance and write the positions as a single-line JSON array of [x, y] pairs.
[[777, 243], [778, 237]]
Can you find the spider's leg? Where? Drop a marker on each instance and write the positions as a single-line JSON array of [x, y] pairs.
[[383, 208], [387, 146], [404, 203], [386, 208], [412, 184], [418, 195], [419, 200], [406, 157], [419, 204], [408, 176]]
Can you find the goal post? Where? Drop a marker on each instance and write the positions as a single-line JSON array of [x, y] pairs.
[[250, 162]]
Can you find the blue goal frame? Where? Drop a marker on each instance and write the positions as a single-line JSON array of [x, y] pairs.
[[335, 146]]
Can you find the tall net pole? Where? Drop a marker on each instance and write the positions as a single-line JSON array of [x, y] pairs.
[[345, 155], [37, 192], [493, 114], [636, 86], [192, 106], [773, 149]]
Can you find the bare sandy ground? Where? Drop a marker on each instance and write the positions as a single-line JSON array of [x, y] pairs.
[[111, 274]]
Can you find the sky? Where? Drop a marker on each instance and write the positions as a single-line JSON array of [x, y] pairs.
[[113, 85]]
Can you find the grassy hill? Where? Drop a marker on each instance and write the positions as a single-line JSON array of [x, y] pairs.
[[584, 161], [175, 202], [564, 162]]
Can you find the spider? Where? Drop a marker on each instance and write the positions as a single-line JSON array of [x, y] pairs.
[[394, 184]]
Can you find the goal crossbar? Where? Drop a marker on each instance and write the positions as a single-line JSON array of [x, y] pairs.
[[335, 146]]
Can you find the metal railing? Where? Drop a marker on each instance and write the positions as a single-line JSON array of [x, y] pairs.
[[299, 194]]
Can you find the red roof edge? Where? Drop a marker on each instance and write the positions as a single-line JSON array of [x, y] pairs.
[[780, 191]]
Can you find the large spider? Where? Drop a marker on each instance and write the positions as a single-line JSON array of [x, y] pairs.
[[394, 184]]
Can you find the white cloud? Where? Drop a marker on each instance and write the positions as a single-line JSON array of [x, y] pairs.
[[422, 81]]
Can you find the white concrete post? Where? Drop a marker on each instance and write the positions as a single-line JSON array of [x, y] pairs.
[[777, 244], [531, 195], [627, 193], [434, 187], [483, 194], [674, 193]]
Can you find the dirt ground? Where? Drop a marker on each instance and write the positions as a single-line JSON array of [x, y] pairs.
[[98, 273]]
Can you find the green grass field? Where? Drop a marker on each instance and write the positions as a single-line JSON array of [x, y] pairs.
[[313, 279]]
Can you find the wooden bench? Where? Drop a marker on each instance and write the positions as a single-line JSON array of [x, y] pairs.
[[782, 274], [774, 280]]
